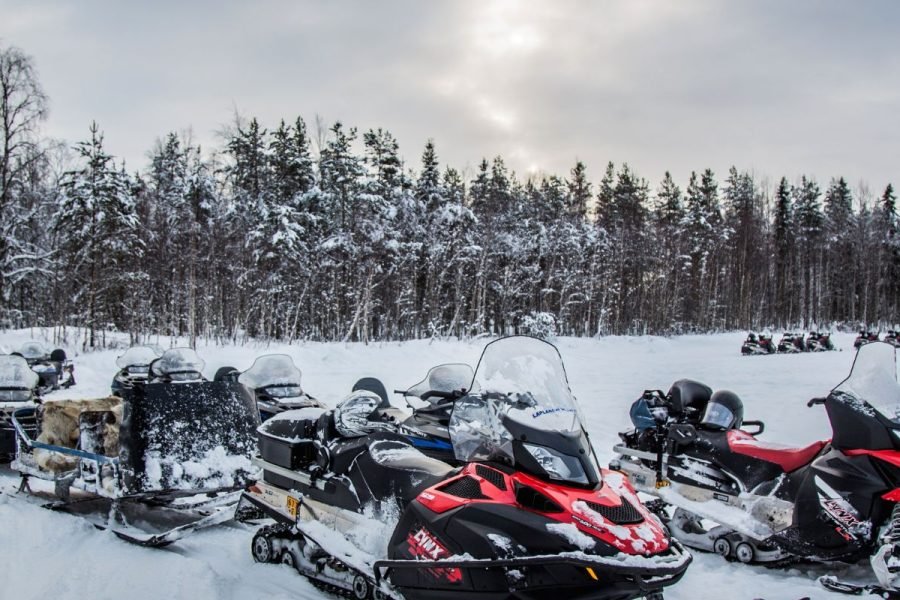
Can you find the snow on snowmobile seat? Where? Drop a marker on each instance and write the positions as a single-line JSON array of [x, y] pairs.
[[689, 396], [788, 458], [395, 454]]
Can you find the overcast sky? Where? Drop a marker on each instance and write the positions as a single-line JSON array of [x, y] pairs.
[[780, 88]]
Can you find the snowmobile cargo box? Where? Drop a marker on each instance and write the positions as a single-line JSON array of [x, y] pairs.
[[288, 440]]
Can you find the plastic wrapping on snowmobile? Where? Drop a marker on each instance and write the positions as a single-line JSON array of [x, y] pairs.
[[180, 422]]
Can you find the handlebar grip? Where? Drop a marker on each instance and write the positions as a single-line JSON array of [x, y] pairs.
[[815, 401]]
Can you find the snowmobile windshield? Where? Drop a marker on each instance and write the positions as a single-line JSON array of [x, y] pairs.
[[179, 364], [136, 357], [34, 350], [518, 378], [444, 379], [873, 380], [275, 371], [15, 374]]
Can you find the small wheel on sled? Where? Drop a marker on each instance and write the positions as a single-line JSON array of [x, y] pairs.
[[722, 547], [261, 548], [361, 588], [745, 553]]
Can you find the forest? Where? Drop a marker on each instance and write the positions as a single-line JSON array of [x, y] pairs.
[[292, 231]]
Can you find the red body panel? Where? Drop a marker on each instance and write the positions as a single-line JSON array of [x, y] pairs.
[[888, 456], [644, 538], [789, 459]]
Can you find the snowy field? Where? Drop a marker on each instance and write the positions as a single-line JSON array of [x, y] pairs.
[[49, 555]]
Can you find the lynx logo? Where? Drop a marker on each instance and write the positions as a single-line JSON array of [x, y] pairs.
[[423, 545], [840, 511]]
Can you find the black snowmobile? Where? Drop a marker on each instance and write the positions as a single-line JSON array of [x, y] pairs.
[[865, 336], [817, 341], [53, 368], [791, 343], [275, 380], [359, 509], [134, 368], [18, 389], [165, 459], [762, 345], [892, 338], [832, 500]]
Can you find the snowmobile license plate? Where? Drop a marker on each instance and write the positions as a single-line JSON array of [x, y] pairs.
[[292, 505]]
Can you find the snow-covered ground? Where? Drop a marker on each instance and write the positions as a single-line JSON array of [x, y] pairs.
[[49, 555]]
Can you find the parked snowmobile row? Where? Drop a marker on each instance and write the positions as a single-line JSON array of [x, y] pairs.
[[867, 336], [790, 343], [490, 489], [833, 500]]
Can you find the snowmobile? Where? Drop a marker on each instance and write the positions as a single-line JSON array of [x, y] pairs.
[[134, 368], [832, 500], [276, 382], [791, 343], [359, 509], [160, 461], [818, 342], [53, 368], [865, 336], [762, 345], [18, 388], [892, 338]]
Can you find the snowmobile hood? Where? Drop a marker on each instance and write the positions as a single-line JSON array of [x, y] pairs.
[[591, 521], [34, 350], [15, 374]]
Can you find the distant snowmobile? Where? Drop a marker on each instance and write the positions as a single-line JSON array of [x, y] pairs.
[[818, 342], [53, 368], [791, 343], [892, 338], [134, 368], [763, 345], [165, 459], [527, 515], [275, 380], [865, 336], [835, 500], [18, 389]]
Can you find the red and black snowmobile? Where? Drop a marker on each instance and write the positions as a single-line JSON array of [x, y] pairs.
[[791, 343], [865, 337], [762, 345], [818, 341], [834, 500], [358, 508]]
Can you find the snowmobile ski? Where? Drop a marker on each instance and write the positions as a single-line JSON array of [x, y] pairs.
[[832, 583]]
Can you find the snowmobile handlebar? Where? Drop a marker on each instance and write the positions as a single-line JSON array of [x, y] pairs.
[[815, 401]]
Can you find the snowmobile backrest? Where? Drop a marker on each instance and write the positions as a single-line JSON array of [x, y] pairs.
[[58, 355], [688, 398], [370, 384], [211, 425]]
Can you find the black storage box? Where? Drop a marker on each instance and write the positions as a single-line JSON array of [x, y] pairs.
[[288, 439]]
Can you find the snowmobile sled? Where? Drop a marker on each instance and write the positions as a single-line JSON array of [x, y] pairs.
[[832, 500], [359, 509], [152, 465], [817, 341], [892, 338], [865, 337], [18, 389], [134, 368], [275, 380], [791, 343], [762, 345], [53, 368]]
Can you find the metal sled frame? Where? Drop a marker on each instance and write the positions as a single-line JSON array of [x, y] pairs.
[[152, 519]]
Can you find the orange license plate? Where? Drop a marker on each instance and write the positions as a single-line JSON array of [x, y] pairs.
[[292, 505]]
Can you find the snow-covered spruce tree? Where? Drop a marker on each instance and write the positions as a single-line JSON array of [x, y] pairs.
[[808, 220], [783, 251], [98, 233], [839, 286], [668, 285], [889, 242], [745, 248]]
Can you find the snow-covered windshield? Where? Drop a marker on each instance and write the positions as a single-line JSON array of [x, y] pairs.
[[273, 370], [451, 377], [873, 379], [178, 361], [15, 374], [519, 378], [137, 356], [34, 350]]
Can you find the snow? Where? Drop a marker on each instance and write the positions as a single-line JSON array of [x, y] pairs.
[[606, 376], [572, 534]]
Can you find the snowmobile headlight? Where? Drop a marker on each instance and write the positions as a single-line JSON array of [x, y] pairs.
[[561, 467]]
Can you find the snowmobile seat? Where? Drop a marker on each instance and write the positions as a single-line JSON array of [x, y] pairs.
[[370, 384], [787, 457], [689, 398]]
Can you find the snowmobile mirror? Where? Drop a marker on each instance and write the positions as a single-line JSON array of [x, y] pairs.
[[815, 401], [760, 427], [683, 435]]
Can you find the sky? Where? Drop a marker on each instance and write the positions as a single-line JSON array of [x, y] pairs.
[[776, 88]]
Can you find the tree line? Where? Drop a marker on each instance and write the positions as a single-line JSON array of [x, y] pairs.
[[283, 233]]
